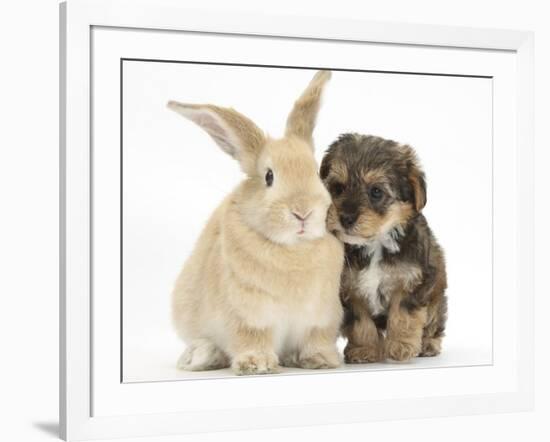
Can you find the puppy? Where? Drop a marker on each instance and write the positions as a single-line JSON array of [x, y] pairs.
[[393, 284]]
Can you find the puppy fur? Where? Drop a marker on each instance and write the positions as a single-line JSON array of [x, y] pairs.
[[393, 284]]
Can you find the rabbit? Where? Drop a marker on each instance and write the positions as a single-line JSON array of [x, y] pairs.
[[261, 288]]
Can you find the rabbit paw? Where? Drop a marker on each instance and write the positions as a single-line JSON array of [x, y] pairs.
[[289, 360], [202, 355], [255, 363], [320, 360]]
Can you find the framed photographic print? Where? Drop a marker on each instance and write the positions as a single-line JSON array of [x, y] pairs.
[[286, 221]]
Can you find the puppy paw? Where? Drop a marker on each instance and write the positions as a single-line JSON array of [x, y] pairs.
[[362, 355], [320, 360], [255, 363], [399, 351], [430, 347]]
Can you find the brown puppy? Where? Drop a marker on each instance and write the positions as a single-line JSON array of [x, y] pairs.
[[393, 285]]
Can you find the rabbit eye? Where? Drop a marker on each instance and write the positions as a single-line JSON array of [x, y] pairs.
[[269, 177]]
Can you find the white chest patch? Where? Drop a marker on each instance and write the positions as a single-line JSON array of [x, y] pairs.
[[370, 280]]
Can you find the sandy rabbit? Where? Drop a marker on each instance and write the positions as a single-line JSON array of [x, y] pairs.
[[260, 289]]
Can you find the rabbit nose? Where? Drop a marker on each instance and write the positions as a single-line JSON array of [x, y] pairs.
[[348, 219], [300, 216]]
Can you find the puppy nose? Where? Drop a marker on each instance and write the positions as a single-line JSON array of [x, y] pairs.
[[348, 219], [300, 216]]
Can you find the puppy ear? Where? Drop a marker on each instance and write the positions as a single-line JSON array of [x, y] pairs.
[[417, 181], [234, 133], [301, 120], [325, 166]]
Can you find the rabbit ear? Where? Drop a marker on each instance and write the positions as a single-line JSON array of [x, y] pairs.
[[301, 120], [237, 135]]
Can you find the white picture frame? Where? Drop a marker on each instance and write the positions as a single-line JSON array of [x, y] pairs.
[[96, 404]]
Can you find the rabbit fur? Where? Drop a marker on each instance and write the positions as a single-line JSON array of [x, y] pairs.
[[261, 288]]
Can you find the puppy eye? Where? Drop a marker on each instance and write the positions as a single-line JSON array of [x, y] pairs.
[[337, 188], [376, 193], [269, 177]]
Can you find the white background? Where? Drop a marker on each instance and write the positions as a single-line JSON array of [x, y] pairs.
[[175, 175], [28, 183]]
